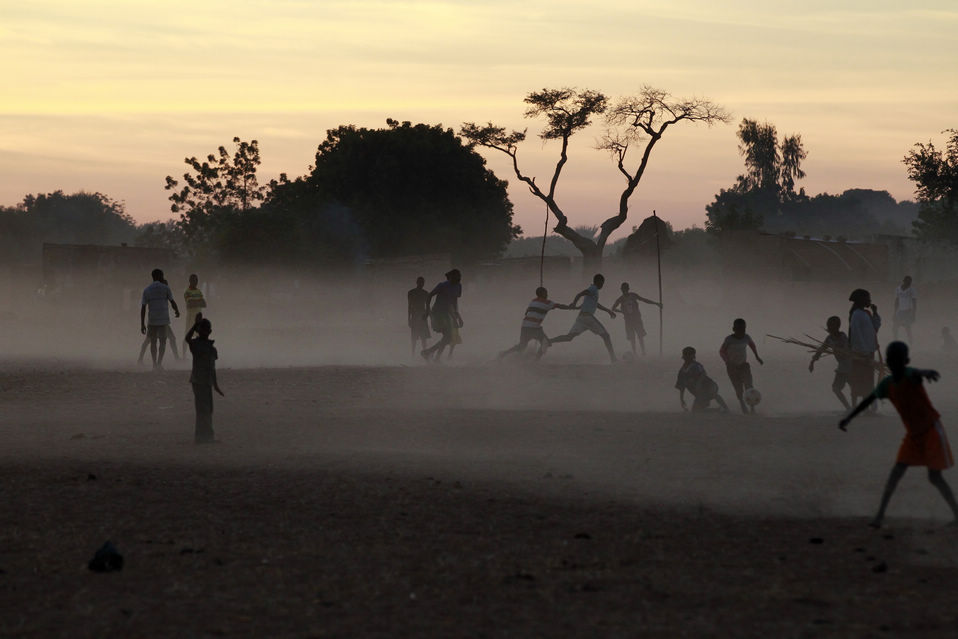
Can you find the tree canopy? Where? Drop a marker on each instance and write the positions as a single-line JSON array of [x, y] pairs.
[[632, 122], [935, 174]]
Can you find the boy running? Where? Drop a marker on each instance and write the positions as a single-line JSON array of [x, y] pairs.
[[693, 378], [628, 303], [925, 443], [446, 319], [586, 321], [532, 323], [837, 341], [734, 353]]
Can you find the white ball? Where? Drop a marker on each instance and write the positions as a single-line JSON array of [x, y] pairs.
[[752, 396]]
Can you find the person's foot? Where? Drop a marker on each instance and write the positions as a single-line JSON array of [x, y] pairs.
[[424, 355]]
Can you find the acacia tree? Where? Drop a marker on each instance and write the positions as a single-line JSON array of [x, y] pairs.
[[935, 174], [214, 189], [632, 121]]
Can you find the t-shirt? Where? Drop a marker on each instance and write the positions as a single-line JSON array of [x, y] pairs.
[[204, 361], [910, 399], [446, 294], [735, 349], [590, 300], [417, 301], [839, 343], [536, 312], [194, 298], [156, 297], [863, 331], [629, 303], [906, 298], [692, 377]]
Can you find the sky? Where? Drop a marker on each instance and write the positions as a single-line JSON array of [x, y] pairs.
[[111, 96]]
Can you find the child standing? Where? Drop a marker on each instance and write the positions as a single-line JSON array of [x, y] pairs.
[[692, 377], [628, 303], [203, 377], [837, 341], [532, 323], [734, 353], [195, 302], [925, 443]]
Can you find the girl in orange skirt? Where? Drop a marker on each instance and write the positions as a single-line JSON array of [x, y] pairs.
[[925, 443]]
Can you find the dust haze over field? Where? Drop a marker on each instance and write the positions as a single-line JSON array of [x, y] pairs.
[[333, 433]]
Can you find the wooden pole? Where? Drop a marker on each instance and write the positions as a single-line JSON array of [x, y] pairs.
[[542, 252], [658, 259]]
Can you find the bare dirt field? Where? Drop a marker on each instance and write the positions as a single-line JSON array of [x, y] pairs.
[[470, 500]]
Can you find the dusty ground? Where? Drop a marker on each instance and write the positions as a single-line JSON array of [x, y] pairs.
[[475, 501]]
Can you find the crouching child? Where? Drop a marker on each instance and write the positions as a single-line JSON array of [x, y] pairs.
[[203, 377], [693, 378]]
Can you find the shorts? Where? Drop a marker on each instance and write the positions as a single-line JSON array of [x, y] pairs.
[[533, 333], [419, 328], [741, 377], [929, 449], [586, 322], [157, 331], [634, 326]]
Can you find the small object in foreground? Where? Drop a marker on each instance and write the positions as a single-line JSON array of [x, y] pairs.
[[106, 559]]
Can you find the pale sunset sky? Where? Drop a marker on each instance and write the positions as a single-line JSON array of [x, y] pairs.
[[112, 95]]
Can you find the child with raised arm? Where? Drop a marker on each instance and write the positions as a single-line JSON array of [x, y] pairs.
[[693, 378], [734, 353], [586, 320], [532, 323], [203, 377], [837, 341], [925, 442], [628, 303]]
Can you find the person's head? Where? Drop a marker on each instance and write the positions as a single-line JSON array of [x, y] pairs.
[[833, 324], [905, 283], [157, 275], [420, 281], [738, 327], [204, 327], [599, 280], [542, 293], [688, 354], [896, 356], [625, 287], [194, 280], [454, 276], [860, 298]]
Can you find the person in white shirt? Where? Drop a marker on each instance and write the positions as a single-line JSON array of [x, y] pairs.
[[906, 307], [156, 296], [587, 321]]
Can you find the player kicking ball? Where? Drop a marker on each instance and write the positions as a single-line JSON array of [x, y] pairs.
[[925, 443]]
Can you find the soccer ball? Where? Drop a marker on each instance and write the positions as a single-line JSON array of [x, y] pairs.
[[752, 396]]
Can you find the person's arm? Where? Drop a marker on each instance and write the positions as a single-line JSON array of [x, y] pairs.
[[600, 307], [578, 297], [618, 303], [723, 351], [432, 294], [216, 385], [189, 334], [143, 318], [817, 356], [876, 319], [896, 303], [751, 344], [682, 399], [865, 403], [929, 374], [648, 301], [564, 307]]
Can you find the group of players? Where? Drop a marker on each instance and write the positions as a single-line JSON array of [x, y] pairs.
[[924, 444]]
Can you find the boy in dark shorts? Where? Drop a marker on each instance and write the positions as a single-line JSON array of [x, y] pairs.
[[734, 353], [693, 378], [837, 341], [628, 304], [203, 377], [925, 442], [532, 323]]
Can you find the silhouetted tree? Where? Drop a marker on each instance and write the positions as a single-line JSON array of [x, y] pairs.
[[402, 190], [935, 174], [215, 189], [640, 120]]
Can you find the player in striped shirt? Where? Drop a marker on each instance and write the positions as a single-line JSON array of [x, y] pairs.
[[532, 323]]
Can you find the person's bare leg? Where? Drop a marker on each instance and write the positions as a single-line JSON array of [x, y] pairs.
[[608, 346], [642, 345], [143, 346], [153, 349], [934, 476], [632, 343], [162, 350], [721, 402], [841, 396], [897, 472]]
